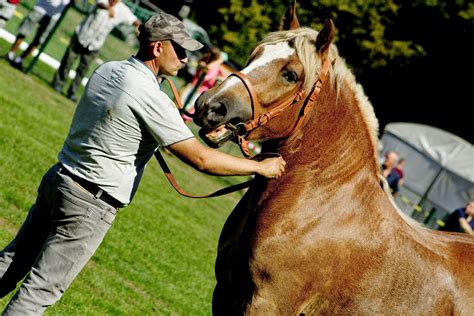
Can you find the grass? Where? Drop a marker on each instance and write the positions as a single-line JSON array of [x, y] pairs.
[[113, 49], [158, 257]]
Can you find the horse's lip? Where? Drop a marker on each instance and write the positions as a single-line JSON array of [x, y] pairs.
[[216, 137]]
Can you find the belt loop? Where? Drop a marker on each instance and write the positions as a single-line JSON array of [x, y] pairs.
[[98, 194]]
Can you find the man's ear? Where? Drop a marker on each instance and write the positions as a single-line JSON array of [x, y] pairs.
[[157, 48]]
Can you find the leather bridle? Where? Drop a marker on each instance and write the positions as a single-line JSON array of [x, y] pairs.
[[243, 130]]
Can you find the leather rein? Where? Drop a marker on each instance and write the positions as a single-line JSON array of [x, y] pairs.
[[243, 130]]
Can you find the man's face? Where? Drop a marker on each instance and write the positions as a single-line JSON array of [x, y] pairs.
[[113, 2], [391, 158], [172, 58], [470, 208]]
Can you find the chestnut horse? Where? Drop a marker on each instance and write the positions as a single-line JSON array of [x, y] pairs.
[[326, 237]]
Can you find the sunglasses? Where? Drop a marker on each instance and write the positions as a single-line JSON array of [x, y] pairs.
[[180, 52]]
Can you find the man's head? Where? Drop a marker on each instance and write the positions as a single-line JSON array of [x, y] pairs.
[[164, 37], [113, 2], [470, 208], [391, 159]]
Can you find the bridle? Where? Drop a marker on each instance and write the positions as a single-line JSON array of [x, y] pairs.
[[242, 130]]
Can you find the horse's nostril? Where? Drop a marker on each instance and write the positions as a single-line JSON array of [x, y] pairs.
[[220, 109]]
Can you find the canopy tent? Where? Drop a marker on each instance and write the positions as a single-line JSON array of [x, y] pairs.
[[439, 171]]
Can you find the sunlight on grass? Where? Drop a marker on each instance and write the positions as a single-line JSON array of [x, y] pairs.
[[158, 258]]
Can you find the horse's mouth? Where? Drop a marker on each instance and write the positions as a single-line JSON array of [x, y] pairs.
[[216, 137]]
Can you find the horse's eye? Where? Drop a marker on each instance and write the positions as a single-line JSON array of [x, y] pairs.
[[290, 76]]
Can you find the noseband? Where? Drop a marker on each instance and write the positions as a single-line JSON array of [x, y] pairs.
[[295, 99]]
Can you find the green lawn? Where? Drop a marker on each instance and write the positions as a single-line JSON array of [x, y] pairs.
[[158, 257], [113, 49]]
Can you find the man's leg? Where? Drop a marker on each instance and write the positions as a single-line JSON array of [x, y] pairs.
[[45, 26], [17, 258], [25, 29], [87, 58], [79, 224], [66, 63]]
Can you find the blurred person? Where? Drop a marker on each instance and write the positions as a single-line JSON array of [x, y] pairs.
[[399, 169], [122, 118], [388, 166], [7, 8], [88, 38], [44, 16], [461, 220], [206, 76]]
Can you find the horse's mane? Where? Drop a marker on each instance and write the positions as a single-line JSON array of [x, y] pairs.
[[303, 39]]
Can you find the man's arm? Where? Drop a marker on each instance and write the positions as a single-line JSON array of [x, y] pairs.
[[106, 6], [465, 225], [214, 162]]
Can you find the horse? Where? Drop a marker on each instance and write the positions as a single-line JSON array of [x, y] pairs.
[[326, 237]]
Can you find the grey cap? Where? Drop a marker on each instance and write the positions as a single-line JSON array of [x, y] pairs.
[[163, 26]]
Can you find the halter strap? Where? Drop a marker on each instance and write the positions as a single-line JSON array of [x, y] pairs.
[[254, 102], [169, 174], [295, 98]]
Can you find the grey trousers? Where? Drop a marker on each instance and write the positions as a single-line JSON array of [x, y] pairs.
[[62, 231], [74, 51]]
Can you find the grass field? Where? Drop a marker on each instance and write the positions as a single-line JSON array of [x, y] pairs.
[[158, 257]]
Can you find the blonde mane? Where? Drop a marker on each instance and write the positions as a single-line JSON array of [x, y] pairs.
[[303, 40]]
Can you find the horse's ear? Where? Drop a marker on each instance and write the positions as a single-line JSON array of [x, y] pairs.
[[289, 21], [325, 37]]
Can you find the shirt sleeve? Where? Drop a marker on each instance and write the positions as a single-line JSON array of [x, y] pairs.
[[163, 120], [128, 17]]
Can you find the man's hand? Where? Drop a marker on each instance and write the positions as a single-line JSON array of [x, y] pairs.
[[272, 168]]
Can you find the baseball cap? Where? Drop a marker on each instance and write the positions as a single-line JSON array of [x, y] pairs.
[[163, 26]]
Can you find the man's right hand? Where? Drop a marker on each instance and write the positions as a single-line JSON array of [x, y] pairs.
[[272, 168]]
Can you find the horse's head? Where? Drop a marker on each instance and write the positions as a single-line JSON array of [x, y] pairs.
[[282, 72]]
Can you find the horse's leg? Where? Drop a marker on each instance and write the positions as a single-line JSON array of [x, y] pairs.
[[233, 287], [223, 302]]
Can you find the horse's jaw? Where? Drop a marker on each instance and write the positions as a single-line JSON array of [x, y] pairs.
[[216, 137]]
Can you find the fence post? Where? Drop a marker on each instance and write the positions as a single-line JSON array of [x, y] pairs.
[[48, 38], [195, 89]]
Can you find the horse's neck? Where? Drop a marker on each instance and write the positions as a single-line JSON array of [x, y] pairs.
[[334, 146]]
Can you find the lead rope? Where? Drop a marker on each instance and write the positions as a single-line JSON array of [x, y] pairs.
[[169, 174]]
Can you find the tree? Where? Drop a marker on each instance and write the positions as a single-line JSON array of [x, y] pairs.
[[410, 56]]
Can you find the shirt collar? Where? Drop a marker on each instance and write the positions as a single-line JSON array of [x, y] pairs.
[[140, 65]]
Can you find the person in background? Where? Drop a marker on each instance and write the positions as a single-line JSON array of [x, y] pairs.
[[392, 177], [44, 15], [88, 38], [122, 118], [7, 8], [206, 76], [461, 220], [399, 169]]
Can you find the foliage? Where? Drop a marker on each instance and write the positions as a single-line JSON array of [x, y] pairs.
[[386, 43]]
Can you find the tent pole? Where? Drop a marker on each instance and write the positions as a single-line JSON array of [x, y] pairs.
[[425, 196]]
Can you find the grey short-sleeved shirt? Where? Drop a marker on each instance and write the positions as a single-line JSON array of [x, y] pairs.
[[122, 118]]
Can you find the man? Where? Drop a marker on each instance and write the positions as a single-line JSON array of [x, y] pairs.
[[392, 177], [399, 169], [44, 14], [461, 220], [88, 38], [121, 119]]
